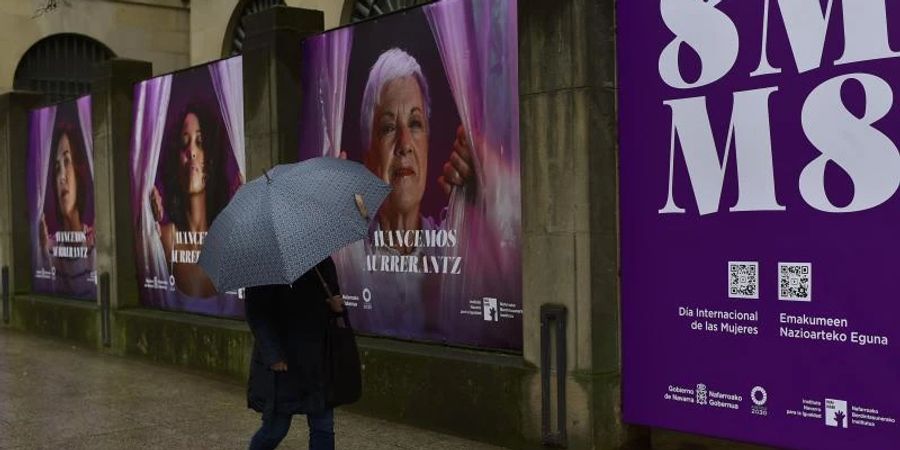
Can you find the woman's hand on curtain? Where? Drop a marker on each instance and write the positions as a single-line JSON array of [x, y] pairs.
[[459, 170], [89, 237], [44, 236], [156, 205]]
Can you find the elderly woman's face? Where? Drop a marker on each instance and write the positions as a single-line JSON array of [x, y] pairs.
[[192, 174], [66, 184], [399, 152]]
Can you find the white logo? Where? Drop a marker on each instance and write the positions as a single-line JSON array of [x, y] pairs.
[[759, 396], [701, 394], [491, 314], [367, 295], [240, 293], [172, 280], [836, 413]]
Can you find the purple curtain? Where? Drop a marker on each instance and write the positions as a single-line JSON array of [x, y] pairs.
[[39, 142], [87, 130], [227, 80], [478, 43], [326, 81], [151, 105]]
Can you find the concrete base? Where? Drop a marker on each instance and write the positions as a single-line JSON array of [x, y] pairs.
[[73, 320], [477, 395], [474, 394], [209, 344]]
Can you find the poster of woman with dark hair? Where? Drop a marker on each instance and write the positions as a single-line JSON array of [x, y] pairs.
[[61, 192], [187, 158]]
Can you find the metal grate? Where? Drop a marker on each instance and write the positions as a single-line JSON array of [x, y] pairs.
[[367, 9], [254, 6], [60, 66]]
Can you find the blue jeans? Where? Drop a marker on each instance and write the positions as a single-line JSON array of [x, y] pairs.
[[273, 431]]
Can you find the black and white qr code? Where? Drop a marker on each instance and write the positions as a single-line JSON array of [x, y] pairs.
[[743, 279], [795, 282]]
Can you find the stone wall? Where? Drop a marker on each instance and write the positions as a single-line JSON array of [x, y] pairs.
[[156, 31]]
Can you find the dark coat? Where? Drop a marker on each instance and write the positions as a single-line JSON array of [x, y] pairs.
[[289, 323]]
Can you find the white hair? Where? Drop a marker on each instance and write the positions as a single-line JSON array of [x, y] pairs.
[[391, 65]]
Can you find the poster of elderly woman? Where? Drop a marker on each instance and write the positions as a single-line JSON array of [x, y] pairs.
[[187, 160], [61, 200], [427, 99]]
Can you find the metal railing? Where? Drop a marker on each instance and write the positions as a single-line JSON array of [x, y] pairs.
[[553, 329], [103, 290], [6, 295]]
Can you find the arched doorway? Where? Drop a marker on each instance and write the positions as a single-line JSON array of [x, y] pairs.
[[359, 10], [234, 37], [60, 66]]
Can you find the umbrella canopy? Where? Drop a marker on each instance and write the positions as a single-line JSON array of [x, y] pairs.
[[280, 225]]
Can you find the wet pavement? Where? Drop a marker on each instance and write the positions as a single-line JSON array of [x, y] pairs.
[[53, 395]]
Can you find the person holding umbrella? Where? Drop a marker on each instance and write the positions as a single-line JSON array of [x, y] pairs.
[[275, 238], [286, 373]]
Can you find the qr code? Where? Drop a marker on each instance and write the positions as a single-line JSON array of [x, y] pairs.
[[795, 282], [743, 279]]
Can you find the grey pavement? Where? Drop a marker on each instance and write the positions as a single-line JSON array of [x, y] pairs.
[[53, 395]]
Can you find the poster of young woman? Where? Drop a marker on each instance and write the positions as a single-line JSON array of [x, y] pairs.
[[187, 160], [427, 99], [61, 200]]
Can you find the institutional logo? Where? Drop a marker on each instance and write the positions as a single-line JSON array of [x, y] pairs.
[[759, 397], [836, 413], [491, 312], [367, 295], [701, 394]]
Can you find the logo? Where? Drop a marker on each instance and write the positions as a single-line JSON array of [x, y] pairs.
[[491, 314], [240, 293], [367, 295], [759, 396], [701, 394], [836, 413], [171, 280]]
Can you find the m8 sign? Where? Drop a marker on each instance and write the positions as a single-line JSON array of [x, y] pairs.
[[758, 148]]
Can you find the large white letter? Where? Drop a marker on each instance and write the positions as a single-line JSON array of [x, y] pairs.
[[750, 132], [706, 30], [868, 156], [865, 32]]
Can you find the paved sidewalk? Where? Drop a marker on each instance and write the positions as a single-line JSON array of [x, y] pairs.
[[53, 395]]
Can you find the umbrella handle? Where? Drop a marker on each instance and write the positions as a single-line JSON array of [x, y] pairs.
[[324, 284], [344, 314]]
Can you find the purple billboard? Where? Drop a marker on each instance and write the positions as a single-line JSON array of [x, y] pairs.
[[427, 99], [187, 161], [61, 200], [759, 168]]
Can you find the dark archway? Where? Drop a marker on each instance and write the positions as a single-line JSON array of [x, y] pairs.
[[235, 35], [60, 66], [359, 10]]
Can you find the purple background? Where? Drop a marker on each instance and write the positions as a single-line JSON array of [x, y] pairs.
[[192, 86], [66, 112], [673, 260], [480, 41]]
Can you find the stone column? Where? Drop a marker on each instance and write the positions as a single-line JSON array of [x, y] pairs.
[[15, 240], [570, 210], [111, 105], [272, 84]]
